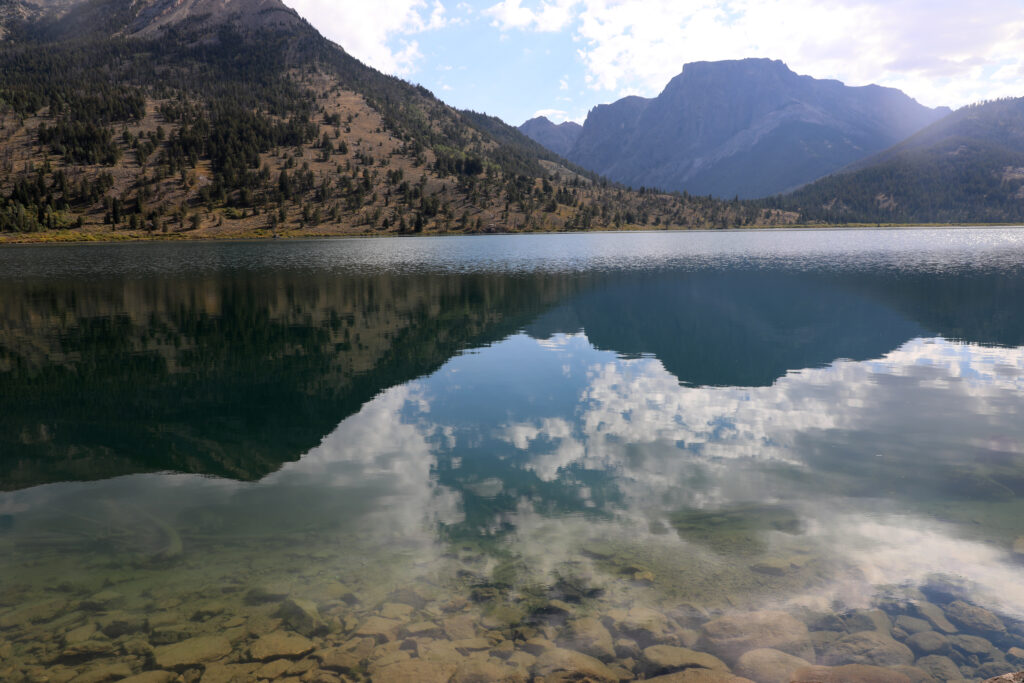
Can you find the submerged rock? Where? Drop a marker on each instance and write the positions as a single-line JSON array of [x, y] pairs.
[[766, 665], [912, 625], [489, 671], [729, 637], [280, 645], [302, 616], [867, 647], [934, 615], [974, 618], [192, 651], [662, 659], [578, 664], [699, 676], [589, 636], [417, 671], [850, 673], [151, 677], [942, 668], [928, 643]]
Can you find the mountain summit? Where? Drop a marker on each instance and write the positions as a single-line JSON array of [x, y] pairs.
[[748, 127]]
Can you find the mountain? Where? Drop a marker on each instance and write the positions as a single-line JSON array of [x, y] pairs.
[[227, 118], [968, 167], [558, 138], [747, 127]]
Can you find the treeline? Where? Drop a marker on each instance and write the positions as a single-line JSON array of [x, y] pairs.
[[952, 184]]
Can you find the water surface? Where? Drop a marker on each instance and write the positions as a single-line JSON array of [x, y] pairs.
[[474, 454]]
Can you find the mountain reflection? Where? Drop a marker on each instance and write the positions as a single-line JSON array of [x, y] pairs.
[[234, 373]]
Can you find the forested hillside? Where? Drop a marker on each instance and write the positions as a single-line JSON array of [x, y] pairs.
[[966, 168], [205, 118]]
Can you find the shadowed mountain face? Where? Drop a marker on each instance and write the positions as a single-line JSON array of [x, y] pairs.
[[750, 127], [967, 167], [558, 138]]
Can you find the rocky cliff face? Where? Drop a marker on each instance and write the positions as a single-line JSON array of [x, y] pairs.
[[558, 138], [749, 127]]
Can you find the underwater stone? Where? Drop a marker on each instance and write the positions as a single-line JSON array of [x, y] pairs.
[[302, 616], [766, 665], [280, 645], [663, 659], [729, 637], [488, 671], [417, 671], [699, 676], [579, 664], [940, 667], [109, 672], [192, 651], [379, 628], [912, 625], [928, 642], [974, 618], [37, 612], [589, 636], [867, 647], [934, 615], [151, 677], [850, 673]]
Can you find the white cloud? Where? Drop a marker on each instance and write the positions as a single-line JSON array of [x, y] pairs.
[[378, 32], [944, 52], [553, 115], [551, 15]]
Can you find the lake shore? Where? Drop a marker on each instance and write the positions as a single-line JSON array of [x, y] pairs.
[[219, 233]]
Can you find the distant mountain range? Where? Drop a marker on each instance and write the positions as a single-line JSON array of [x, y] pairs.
[[747, 128]]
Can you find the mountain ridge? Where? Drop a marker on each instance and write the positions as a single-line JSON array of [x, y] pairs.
[[748, 127]]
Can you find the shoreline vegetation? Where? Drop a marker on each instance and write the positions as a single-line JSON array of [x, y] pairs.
[[87, 236]]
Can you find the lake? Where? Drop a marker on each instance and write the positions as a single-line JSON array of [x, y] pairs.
[[604, 457]]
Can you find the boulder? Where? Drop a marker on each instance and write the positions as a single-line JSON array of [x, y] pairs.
[[973, 645], [850, 673], [488, 671], [101, 674], [646, 626], [416, 671], [192, 651], [576, 663], [868, 620], [278, 645], [974, 618], [699, 676], [379, 628], [915, 674], [928, 643], [151, 677], [663, 659], [934, 616], [867, 647], [940, 667], [729, 637], [589, 636], [302, 616], [766, 665], [912, 625]]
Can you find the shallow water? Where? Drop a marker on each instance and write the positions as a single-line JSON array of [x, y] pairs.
[[443, 458]]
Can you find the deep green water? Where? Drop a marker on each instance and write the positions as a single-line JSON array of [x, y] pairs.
[[521, 432]]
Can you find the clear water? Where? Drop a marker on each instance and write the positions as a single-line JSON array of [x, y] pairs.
[[499, 437]]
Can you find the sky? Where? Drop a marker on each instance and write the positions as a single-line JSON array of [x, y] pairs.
[[521, 58]]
